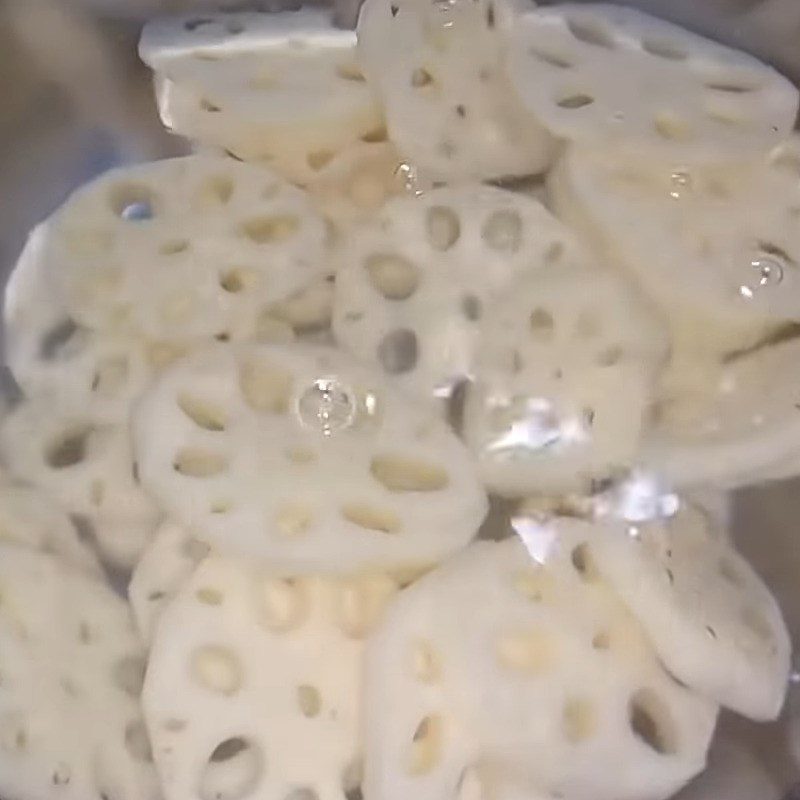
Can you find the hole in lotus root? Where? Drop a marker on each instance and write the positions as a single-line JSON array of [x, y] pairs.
[[398, 351], [205, 415], [426, 746], [575, 101], [293, 519], [394, 276], [371, 518], [266, 388], [196, 463], [421, 77], [217, 190], [137, 742], [471, 307], [502, 231], [349, 71], [663, 48], [401, 474], [128, 675], [69, 448], [650, 721], [133, 202], [541, 324], [443, 227], [671, 127], [352, 778], [532, 651], [591, 31], [319, 158], [233, 771], [583, 562], [302, 793], [56, 338], [579, 720], [238, 279], [217, 669], [360, 603], [270, 230], [173, 247], [309, 700], [284, 603]]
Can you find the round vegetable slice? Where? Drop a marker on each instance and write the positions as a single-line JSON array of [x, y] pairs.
[[438, 70], [283, 86], [185, 248], [730, 422], [85, 463], [237, 639], [712, 620], [166, 564], [512, 655], [29, 517], [298, 455], [564, 373], [416, 282], [595, 71], [72, 672], [715, 242]]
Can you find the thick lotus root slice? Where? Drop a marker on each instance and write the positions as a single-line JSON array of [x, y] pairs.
[[564, 374], [28, 517], [279, 87], [439, 72], [713, 622], [511, 654], [85, 464], [298, 455], [238, 638], [417, 281], [715, 242], [589, 72], [185, 248], [732, 422], [167, 563], [72, 673]]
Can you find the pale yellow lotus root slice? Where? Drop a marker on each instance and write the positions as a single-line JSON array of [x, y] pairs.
[[416, 282], [713, 622], [439, 71], [167, 563], [357, 183], [254, 683], [511, 655], [730, 423], [303, 457], [28, 517], [716, 243], [184, 248], [564, 375], [85, 463], [601, 71], [72, 670], [277, 86]]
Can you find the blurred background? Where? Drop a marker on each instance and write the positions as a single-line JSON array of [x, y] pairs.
[[76, 101]]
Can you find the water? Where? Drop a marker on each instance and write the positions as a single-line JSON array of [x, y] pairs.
[[327, 406], [680, 183], [767, 270]]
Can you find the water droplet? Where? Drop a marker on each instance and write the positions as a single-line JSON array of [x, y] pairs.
[[408, 177], [680, 184], [766, 270], [327, 405], [638, 497], [136, 212]]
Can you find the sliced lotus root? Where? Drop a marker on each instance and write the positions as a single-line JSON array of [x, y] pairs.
[[167, 563], [71, 727], [30, 518], [254, 683], [263, 87], [564, 373], [301, 456], [185, 248], [85, 464], [438, 70], [357, 183], [416, 282], [709, 616], [717, 244], [597, 71], [511, 654], [729, 423]]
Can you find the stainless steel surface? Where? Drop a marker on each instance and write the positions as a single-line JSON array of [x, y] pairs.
[[76, 101]]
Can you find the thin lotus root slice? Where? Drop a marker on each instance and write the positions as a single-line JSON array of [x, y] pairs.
[[357, 183], [167, 563], [589, 72], [511, 654], [711, 619], [185, 248], [238, 639], [298, 455], [282, 85], [730, 423], [416, 282], [716, 243], [69, 700], [28, 517], [438, 70], [84, 463], [564, 373]]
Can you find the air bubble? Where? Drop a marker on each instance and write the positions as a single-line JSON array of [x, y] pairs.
[[327, 406]]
